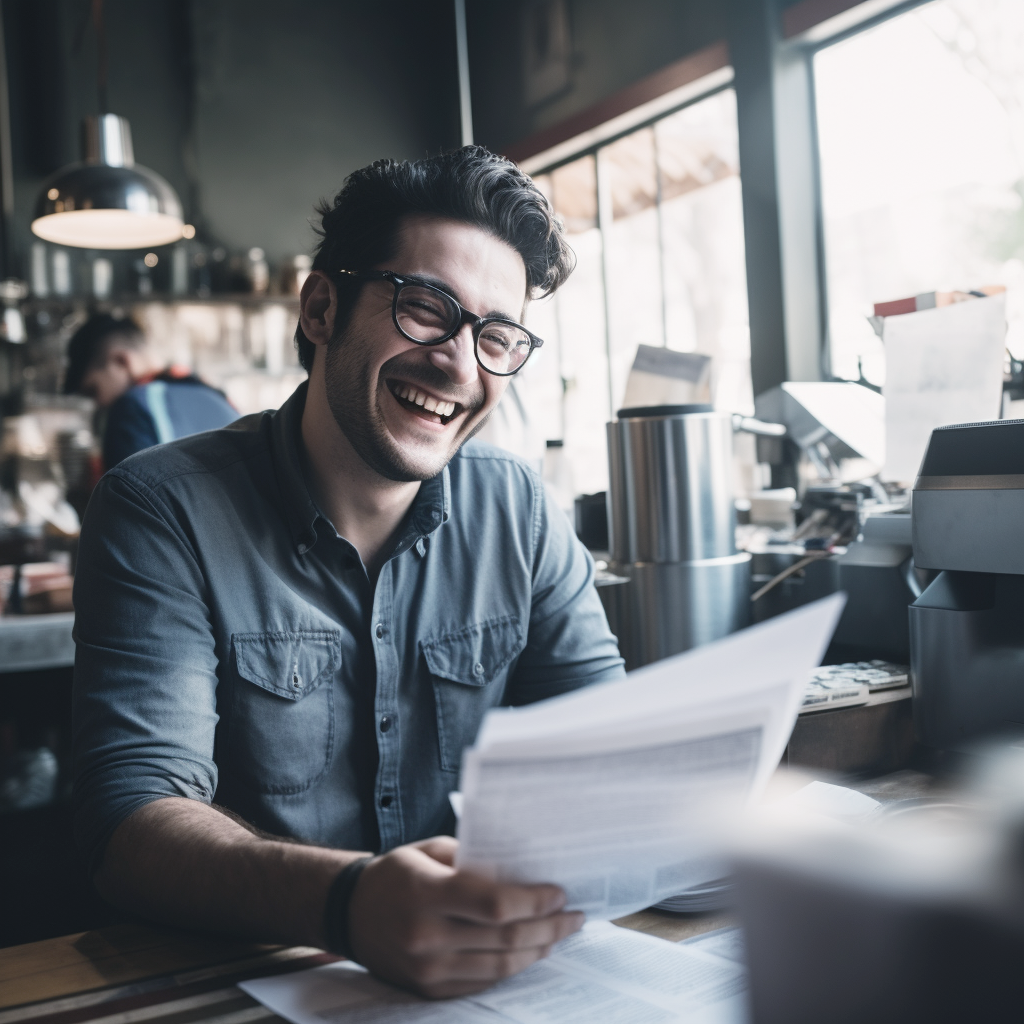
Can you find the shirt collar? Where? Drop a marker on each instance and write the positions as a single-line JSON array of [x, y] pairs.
[[431, 508], [285, 438]]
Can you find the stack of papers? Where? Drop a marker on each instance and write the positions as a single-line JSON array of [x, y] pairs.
[[602, 973], [623, 793]]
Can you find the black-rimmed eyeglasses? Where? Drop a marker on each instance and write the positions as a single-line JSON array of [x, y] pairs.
[[428, 316]]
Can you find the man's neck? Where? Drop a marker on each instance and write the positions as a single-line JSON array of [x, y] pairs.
[[364, 507]]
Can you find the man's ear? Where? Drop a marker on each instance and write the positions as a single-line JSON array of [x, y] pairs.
[[318, 305], [120, 357]]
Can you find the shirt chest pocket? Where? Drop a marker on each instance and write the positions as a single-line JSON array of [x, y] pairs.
[[281, 738], [468, 668]]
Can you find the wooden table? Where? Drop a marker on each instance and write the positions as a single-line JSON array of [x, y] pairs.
[[129, 973]]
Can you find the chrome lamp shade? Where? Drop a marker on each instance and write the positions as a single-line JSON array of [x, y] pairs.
[[107, 201]]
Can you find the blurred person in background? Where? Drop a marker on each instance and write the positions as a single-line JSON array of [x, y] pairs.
[[146, 402]]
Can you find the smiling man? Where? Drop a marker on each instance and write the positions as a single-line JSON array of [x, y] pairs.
[[289, 630]]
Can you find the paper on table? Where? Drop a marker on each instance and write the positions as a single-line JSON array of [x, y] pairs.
[[601, 974], [620, 792], [942, 366]]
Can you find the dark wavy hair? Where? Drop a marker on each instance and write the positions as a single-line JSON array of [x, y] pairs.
[[360, 228]]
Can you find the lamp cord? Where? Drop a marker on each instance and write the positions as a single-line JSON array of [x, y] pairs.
[[101, 55]]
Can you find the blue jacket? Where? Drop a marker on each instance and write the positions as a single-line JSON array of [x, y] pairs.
[[169, 406]]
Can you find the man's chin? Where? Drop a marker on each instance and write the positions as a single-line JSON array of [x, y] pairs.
[[398, 463]]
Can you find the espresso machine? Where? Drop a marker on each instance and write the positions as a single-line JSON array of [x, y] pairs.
[[672, 529], [967, 627]]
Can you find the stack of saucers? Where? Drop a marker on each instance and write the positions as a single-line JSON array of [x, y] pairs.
[[702, 898]]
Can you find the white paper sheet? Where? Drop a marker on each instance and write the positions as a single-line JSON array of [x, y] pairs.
[[942, 366], [602, 974], [622, 793]]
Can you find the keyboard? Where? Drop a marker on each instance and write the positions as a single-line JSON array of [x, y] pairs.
[[853, 682]]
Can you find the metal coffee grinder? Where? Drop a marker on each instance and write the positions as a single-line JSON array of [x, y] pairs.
[[672, 529]]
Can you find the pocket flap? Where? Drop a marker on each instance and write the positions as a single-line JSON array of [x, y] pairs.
[[474, 655], [290, 664]]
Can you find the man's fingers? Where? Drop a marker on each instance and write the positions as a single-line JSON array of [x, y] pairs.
[[441, 848], [479, 970], [531, 934], [474, 898]]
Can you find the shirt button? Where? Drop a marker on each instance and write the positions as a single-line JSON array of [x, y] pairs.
[[385, 723], [385, 801], [303, 549], [478, 669], [380, 631]]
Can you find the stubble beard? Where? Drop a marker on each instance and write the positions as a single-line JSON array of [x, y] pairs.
[[353, 400]]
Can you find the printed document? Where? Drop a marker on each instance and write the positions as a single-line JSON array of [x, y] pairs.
[[602, 973], [623, 793]]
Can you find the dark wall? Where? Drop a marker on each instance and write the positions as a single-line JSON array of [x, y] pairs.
[[614, 44], [292, 97], [252, 109]]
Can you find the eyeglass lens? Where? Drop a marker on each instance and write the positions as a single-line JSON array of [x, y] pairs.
[[426, 315]]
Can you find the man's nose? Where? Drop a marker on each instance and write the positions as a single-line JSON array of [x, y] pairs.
[[456, 357]]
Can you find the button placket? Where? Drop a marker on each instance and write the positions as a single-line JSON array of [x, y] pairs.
[[385, 702]]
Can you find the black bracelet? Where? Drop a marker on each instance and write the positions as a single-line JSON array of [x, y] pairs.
[[339, 897]]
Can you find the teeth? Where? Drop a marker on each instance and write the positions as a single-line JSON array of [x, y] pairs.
[[428, 402]]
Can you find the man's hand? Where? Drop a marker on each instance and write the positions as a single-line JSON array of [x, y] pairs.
[[413, 919], [416, 921]]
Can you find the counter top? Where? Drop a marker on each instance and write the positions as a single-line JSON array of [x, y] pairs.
[[99, 973], [36, 641]]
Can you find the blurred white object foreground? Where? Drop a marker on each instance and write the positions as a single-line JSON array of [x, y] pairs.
[[913, 913]]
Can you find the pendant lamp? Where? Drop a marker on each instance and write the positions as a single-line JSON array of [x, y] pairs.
[[107, 201]]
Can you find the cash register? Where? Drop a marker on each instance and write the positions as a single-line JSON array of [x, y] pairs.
[[967, 627]]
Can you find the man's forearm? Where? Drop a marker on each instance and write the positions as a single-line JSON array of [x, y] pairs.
[[185, 863]]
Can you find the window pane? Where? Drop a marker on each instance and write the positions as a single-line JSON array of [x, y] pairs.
[[921, 129], [634, 252], [705, 273], [575, 318]]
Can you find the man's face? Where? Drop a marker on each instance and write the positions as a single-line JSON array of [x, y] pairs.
[[381, 387], [108, 381]]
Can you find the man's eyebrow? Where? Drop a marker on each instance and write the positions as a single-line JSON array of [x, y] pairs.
[[443, 286]]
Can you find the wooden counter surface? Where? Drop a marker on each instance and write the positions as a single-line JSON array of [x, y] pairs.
[[123, 958]]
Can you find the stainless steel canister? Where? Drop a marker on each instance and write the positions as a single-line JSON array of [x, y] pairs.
[[672, 530]]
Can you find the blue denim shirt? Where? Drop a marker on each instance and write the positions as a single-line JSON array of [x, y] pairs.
[[231, 647]]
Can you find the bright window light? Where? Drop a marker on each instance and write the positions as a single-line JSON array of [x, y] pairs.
[[921, 133]]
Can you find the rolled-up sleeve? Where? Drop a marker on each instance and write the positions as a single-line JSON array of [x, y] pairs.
[[145, 686], [569, 644]]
